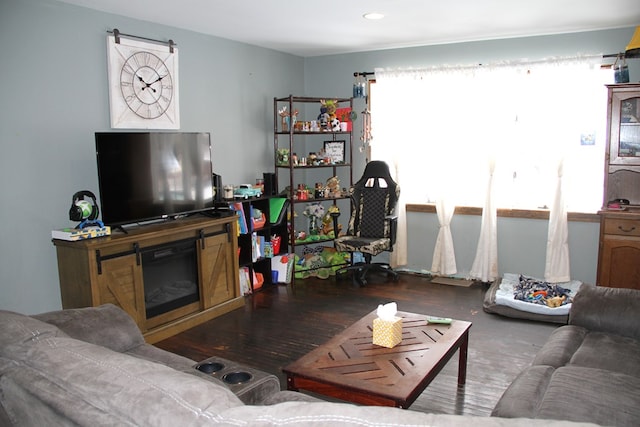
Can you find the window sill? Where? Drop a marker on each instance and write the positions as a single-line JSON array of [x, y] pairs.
[[542, 214]]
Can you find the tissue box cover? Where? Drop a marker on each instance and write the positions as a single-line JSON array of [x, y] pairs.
[[387, 333]]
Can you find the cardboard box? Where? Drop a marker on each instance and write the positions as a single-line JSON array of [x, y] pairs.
[[387, 333]]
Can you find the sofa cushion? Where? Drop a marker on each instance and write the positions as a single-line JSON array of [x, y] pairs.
[[28, 398], [561, 346], [17, 329], [609, 352], [523, 396], [592, 395], [57, 370], [611, 310], [325, 414], [106, 325]]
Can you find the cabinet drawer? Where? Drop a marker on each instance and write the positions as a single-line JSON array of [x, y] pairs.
[[622, 227]]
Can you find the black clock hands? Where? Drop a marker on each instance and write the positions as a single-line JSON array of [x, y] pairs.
[[148, 85], [159, 78]]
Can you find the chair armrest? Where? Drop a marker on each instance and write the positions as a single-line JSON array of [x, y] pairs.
[[393, 228], [609, 310]]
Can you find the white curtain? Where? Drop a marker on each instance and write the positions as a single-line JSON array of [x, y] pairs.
[[444, 256], [485, 264], [557, 266], [439, 127]]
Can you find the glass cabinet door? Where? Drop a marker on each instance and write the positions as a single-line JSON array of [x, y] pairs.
[[625, 129]]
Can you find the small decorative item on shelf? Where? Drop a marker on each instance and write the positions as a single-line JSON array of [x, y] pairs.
[[228, 191], [268, 250], [284, 118], [259, 219], [302, 193], [621, 70], [313, 226], [333, 185], [346, 119], [275, 244], [314, 212], [323, 117], [312, 158], [327, 117], [288, 119], [330, 222], [283, 157]]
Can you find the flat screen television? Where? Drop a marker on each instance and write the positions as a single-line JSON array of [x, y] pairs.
[[145, 176]]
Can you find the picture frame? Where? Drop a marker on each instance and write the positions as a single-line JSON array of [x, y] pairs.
[[334, 150]]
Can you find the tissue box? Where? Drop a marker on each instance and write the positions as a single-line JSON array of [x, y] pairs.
[[387, 333]]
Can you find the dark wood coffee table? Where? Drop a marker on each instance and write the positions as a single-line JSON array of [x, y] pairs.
[[350, 367]]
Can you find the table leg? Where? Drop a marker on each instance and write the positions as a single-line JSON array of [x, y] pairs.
[[290, 384], [462, 364]]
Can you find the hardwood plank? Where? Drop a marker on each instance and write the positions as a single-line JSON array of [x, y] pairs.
[[279, 325]]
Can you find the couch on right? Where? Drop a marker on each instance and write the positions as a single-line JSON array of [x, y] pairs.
[[589, 369]]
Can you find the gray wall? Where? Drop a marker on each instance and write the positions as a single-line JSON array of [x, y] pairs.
[[54, 96], [521, 242]]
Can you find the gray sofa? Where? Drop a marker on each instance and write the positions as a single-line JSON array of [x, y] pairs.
[[91, 367], [588, 370]]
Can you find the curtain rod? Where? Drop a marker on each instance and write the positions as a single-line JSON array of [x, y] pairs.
[[117, 34], [371, 73]]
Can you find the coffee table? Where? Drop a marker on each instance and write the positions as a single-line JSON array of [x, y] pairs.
[[350, 367]]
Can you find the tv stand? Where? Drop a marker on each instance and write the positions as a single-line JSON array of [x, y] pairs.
[[111, 270]]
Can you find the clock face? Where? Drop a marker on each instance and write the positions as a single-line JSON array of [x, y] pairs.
[[146, 85], [143, 85]]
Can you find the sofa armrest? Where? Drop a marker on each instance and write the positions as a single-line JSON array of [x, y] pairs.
[[106, 325], [609, 310]]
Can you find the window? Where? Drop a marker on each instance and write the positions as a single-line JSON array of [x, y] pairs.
[[441, 127]]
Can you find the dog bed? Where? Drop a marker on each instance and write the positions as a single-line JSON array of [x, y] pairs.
[[499, 299]]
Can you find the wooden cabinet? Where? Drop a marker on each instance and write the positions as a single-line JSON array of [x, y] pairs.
[[119, 282], [619, 263], [111, 270], [619, 252]]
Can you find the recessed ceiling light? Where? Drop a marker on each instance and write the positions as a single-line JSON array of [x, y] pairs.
[[373, 15]]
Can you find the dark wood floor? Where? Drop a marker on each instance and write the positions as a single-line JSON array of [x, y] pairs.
[[280, 324]]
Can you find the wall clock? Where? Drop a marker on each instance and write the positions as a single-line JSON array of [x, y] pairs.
[[143, 84]]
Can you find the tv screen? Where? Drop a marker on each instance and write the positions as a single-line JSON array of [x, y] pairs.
[[150, 175]]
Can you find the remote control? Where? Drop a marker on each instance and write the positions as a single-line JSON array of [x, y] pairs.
[[441, 320]]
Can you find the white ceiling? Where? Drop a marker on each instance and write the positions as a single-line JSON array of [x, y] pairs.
[[323, 27]]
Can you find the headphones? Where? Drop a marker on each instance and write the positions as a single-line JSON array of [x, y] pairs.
[[75, 212]]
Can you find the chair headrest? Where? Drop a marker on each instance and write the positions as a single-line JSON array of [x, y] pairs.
[[379, 169]]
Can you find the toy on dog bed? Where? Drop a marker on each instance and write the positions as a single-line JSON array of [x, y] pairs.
[[523, 297], [536, 291]]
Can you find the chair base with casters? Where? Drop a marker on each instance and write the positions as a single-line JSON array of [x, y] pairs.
[[372, 226], [361, 269]]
